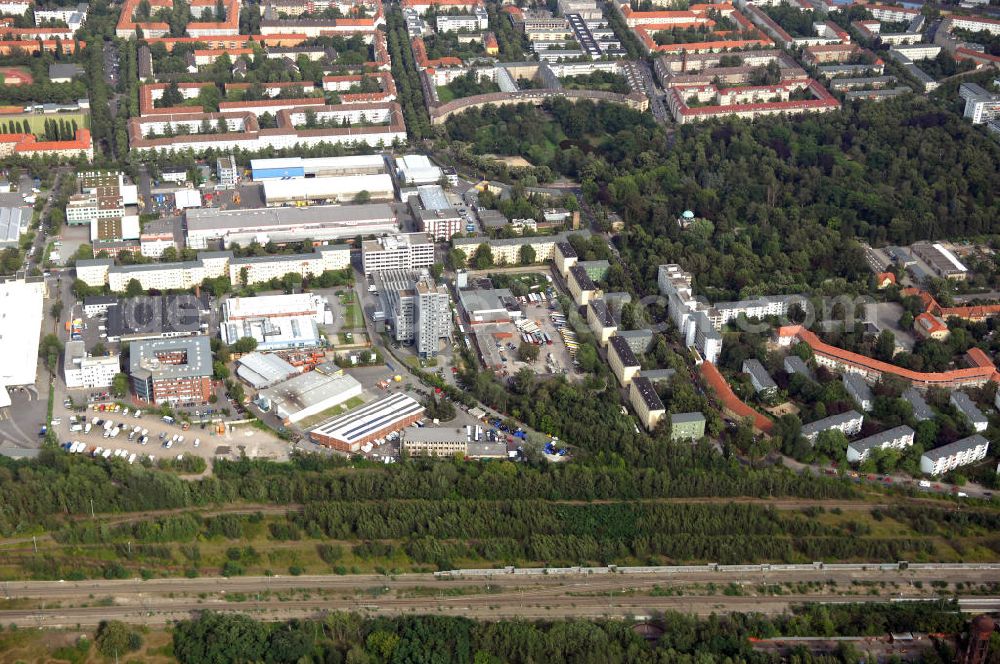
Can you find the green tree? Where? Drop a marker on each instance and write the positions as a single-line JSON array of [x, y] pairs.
[[115, 639], [526, 254], [119, 385], [244, 345], [56, 310], [362, 196], [133, 288], [482, 257], [527, 352]]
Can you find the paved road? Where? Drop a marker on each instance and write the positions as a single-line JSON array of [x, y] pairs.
[[161, 600]]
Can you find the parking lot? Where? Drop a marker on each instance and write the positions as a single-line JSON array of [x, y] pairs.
[[201, 440]]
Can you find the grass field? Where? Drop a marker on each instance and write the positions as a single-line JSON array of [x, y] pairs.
[[445, 94], [37, 121], [352, 314]]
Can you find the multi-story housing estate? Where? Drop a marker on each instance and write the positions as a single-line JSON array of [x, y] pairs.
[[646, 402], [921, 411], [623, 361], [762, 382], [507, 251], [849, 423], [859, 390], [405, 251], [185, 275], [964, 404], [418, 310], [898, 438], [477, 21], [981, 106], [953, 455], [688, 315], [601, 321], [83, 371], [687, 426], [177, 371]]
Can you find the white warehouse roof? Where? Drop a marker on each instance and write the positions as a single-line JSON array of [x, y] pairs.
[[340, 188], [20, 324], [187, 198]]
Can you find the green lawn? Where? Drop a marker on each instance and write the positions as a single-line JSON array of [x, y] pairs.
[[353, 316], [37, 122], [445, 94]]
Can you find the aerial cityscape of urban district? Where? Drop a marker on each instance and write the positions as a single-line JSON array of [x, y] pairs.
[[499, 331]]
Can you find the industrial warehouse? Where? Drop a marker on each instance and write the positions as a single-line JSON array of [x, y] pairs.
[[310, 393], [368, 423], [276, 322], [212, 227]]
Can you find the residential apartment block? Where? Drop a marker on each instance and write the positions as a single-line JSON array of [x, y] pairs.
[[687, 426], [762, 382], [898, 438], [177, 371], [859, 390], [646, 402], [849, 423], [623, 361], [601, 321], [964, 404], [83, 371], [409, 251], [186, 275], [953, 455]]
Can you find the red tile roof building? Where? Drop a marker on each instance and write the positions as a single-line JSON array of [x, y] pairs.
[[980, 370]]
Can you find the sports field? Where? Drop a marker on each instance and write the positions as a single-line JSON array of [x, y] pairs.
[[37, 120]]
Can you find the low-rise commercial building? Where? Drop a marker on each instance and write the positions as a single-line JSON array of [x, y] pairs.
[[435, 441], [623, 362], [687, 426], [368, 423], [848, 423], [954, 455], [177, 371], [285, 168], [276, 322], [310, 393], [262, 370], [646, 402], [964, 405], [157, 317], [83, 371], [898, 438]]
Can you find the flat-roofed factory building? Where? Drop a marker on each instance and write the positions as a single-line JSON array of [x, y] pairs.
[[367, 423]]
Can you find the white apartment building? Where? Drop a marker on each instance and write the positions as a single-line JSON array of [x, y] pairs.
[[507, 251], [898, 438], [981, 106], [258, 269], [83, 371], [949, 457], [418, 310], [688, 314], [229, 174], [849, 423], [210, 265], [85, 208], [73, 17], [777, 305], [859, 390], [14, 8], [475, 22], [406, 251], [623, 362]]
